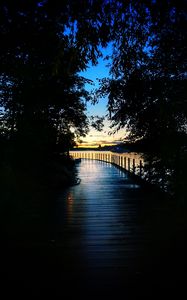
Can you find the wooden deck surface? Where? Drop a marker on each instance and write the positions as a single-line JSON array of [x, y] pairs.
[[109, 238], [104, 236]]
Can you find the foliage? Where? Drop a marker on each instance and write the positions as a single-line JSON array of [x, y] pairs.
[[147, 88], [44, 47]]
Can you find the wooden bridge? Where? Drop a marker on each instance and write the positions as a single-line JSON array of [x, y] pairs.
[[112, 236], [131, 162], [109, 237]]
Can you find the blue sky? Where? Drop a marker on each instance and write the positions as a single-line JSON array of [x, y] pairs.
[[97, 72], [93, 72]]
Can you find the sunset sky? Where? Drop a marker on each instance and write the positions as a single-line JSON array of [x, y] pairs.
[[95, 138]]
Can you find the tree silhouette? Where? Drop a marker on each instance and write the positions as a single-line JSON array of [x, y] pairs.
[[45, 44], [147, 87], [44, 47]]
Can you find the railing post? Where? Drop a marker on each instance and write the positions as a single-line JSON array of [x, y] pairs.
[[133, 164], [129, 164], [125, 163]]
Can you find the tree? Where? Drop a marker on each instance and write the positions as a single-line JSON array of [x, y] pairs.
[[147, 90], [45, 44]]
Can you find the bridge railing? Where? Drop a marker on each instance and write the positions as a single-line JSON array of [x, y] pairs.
[[131, 162]]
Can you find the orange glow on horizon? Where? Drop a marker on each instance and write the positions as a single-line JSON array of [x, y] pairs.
[[94, 139], [94, 145]]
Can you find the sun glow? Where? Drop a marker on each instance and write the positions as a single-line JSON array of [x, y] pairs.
[[95, 139]]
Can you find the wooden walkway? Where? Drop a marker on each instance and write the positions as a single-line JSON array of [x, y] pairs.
[[106, 238]]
